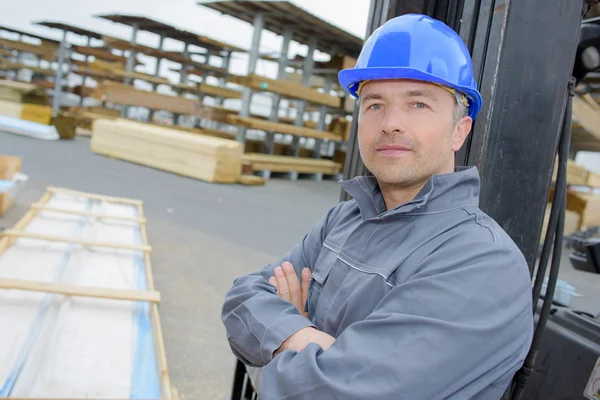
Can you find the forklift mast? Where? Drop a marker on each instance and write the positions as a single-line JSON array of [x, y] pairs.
[[527, 58], [523, 54]]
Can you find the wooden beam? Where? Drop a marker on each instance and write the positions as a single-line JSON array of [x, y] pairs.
[[76, 290], [9, 65], [42, 207], [47, 53], [94, 196], [83, 242], [127, 95], [99, 53], [255, 123], [277, 163], [286, 89], [163, 371], [217, 91]]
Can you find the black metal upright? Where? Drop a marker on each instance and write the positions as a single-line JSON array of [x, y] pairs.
[[523, 54]]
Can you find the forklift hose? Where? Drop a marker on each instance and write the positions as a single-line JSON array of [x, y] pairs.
[[555, 230]]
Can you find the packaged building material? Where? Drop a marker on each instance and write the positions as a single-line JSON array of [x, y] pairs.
[[202, 157], [78, 304]]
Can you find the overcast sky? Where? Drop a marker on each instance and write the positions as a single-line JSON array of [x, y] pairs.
[[350, 15]]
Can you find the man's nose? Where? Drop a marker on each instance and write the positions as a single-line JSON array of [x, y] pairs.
[[393, 122]]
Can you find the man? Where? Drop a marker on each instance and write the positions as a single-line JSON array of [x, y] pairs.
[[412, 292]]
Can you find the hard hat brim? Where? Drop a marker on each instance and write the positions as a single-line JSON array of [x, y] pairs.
[[349, 80]]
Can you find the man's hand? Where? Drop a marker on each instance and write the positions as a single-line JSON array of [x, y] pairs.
[[288, 286], [299, 340]]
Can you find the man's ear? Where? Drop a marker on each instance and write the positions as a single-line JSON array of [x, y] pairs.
[[461, 131]]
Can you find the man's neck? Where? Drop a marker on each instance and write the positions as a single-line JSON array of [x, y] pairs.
[[394, 196]]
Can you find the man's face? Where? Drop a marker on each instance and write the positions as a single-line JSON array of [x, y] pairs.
[[406, 131]]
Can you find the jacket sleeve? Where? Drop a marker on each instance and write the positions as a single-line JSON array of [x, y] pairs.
[[256, 320], [462, 323]]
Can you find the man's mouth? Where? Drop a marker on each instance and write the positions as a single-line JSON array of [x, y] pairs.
[[392, 150]]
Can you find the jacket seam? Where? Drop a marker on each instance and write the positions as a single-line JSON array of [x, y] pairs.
[[479, 221], [366, 272]]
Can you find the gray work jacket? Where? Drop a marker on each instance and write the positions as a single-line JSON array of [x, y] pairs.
[[430, 300]]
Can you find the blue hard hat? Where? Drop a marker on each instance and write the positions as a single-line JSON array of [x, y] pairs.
[[414, 46]]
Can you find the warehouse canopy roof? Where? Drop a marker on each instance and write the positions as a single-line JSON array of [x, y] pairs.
[[33, 35], [160, 28], [281, 14], [70, 28]]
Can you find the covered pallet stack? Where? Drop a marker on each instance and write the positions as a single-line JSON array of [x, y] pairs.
[[202, 157]]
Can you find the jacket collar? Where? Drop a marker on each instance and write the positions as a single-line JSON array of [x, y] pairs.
[[441, 193]]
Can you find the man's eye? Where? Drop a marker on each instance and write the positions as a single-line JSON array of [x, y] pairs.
[[420, 105], [375, 106]]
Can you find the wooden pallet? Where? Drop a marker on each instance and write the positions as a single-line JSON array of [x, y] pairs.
[[302, 165], [62, 299]]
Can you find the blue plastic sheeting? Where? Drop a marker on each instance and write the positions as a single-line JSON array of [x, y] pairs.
[[27, 128], [6, 186], [8, 386], [144, 381]]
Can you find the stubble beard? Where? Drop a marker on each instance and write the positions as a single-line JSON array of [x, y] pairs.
[[415, 170]]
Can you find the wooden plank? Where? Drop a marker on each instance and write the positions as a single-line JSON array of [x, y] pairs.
[[75, 290], [47, 53], [6, 53], [277, 163], [255, 123], [100, 53], [9, 166], [217, 91], [251, 180], [286, 89], [88, 243], [94, 196], [127, 95], [9, 65], [586, 116], [163, 371], [42, 207], [197, 156]]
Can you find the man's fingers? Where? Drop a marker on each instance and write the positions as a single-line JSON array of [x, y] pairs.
[[273, 281], [306, 275], [282, 287], [293, 286]]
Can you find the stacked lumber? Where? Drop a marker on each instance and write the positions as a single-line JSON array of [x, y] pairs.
[[286, 89], [197, 156], [126, 95], [45, 51], [303, 165], [9, 166], [28, 112], [22, 92], [257, 123]]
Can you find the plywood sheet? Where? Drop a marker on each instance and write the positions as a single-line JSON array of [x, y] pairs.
[[198, 156]]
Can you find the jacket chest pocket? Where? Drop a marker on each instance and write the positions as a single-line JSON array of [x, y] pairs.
[[321, 271]]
